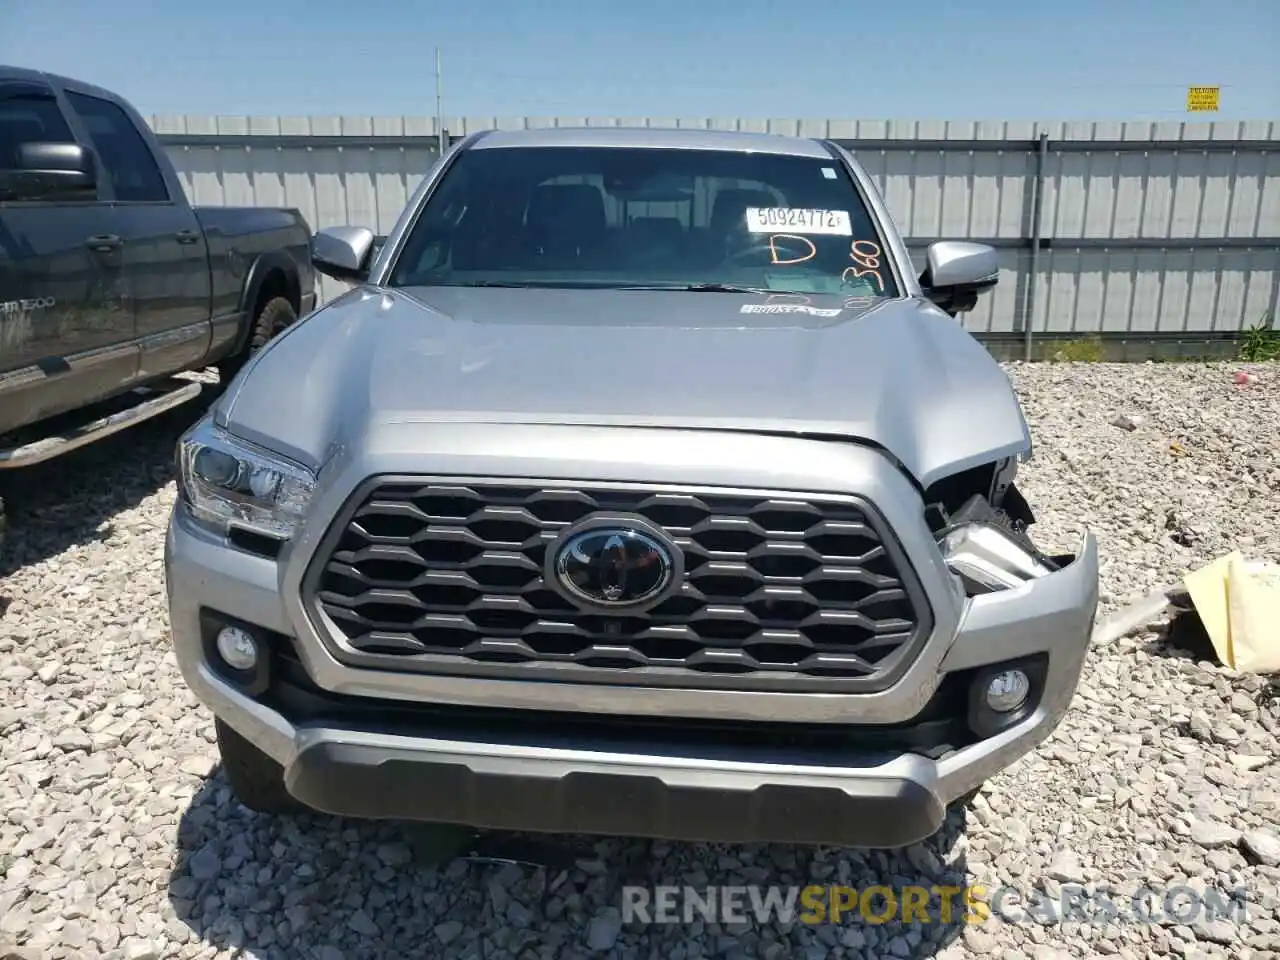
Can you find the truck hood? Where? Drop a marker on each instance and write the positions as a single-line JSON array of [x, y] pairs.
[[899, 374]]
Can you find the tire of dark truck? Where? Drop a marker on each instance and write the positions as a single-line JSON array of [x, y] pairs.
[[275, 316], [256, 780]]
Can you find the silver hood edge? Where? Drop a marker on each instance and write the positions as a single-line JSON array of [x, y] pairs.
[[903, 377]]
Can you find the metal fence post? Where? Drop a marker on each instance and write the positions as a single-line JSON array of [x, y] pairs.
[[1037, 196]]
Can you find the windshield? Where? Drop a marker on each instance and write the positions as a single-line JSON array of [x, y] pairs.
[[646, 217]]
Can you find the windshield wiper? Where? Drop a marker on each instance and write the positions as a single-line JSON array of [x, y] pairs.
[[485, 283], [605, 285], [696, 287], [727, 288]]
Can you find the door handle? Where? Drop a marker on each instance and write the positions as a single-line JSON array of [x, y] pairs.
[[103, 242], [187, 236]]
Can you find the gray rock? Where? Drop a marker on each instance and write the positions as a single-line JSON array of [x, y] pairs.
[[979, 941], [1248, 762], [448, 931], [604, 930], [138, 948], [94, 767], [363, 924], [1211, 835], [70, 739], [205, 864], [922, 857], [898, 947], [1201, 726], [1216, 931], [518, 915], [853, 937], [395, 854], [1066, 867], [1220, 860], [1262, 846], [1243, 704], [498, 896], [828, 934], [196, 766]]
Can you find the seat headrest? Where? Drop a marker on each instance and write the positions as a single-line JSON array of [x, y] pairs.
[[577, 206], [661, 229]]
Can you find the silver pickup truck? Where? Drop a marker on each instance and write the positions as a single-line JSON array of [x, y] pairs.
[[638, 486], [110, 281]]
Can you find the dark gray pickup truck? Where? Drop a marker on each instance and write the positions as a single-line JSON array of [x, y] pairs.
[[110, 281]]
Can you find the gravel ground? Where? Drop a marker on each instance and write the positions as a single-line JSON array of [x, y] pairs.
[[118, 836]]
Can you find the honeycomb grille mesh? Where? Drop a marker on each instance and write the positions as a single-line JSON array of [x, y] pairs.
[[450, 576]]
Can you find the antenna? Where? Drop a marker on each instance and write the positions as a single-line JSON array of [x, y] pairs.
[[439, 116]]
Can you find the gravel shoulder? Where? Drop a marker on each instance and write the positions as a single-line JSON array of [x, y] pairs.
[[118, 836]]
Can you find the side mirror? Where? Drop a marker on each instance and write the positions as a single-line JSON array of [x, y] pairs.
[[344, 253], [957, 272], [50, 171]]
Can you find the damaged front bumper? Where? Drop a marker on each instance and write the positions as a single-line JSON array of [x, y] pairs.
[[668, 783]]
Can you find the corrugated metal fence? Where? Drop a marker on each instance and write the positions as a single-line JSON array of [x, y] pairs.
[[1141, 232]]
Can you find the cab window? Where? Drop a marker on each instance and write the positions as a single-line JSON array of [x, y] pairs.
[[125, 157]]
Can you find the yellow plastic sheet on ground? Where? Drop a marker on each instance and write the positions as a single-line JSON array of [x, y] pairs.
[[1239, 604]]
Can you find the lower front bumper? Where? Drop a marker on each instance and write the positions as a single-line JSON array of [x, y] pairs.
[[564, 791]]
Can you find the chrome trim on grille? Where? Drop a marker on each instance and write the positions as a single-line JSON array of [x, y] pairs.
[[716, 627]]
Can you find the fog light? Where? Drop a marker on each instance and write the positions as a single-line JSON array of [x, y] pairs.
[[1006, 691], [238, 648]]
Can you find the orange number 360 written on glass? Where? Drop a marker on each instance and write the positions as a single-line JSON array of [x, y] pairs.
[[866, 256]]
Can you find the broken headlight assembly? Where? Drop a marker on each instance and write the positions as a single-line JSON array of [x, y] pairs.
[[988, 551], [228, 484]]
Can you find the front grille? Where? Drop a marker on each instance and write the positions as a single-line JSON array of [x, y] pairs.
[[778, 590]]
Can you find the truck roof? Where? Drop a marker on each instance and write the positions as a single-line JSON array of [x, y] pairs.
[[683, 138], [9, 72]]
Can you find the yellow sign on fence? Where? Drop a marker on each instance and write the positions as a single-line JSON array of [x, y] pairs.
[[1202, 99]]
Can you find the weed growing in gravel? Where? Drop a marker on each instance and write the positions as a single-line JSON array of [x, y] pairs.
[[1084, 350], [1261, 342]]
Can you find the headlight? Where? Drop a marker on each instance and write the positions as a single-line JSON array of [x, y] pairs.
[[987, 558], [228, 483]]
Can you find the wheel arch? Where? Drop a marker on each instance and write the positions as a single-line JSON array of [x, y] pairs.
[[273, 274]]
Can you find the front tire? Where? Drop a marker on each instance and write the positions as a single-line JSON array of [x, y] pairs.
[[275, 316], [256, 780]]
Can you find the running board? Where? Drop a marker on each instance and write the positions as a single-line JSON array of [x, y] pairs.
[[153, 401]]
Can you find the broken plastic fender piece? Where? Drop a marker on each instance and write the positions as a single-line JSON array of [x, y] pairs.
[[1253, 609], [1239, 604], [1208, 589]]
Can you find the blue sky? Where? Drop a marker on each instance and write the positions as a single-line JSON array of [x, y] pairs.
[[890, 59]]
